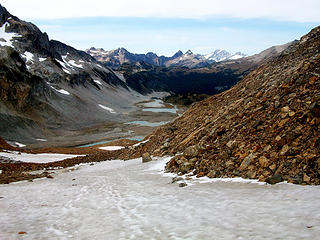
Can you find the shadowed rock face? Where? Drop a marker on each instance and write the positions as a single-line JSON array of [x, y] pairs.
[[267, 126]]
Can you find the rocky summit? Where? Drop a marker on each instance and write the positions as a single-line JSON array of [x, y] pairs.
[[266, 127], [115, 58]]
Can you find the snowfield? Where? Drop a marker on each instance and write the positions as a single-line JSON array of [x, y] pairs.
[[36, 158], [134, 200]]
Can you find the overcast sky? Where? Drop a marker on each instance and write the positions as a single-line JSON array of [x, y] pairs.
[[165, 26]]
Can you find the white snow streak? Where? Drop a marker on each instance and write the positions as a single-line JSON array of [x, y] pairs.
[[73, 63], [41, 139], [111, 148], [106, 108], [137, 144], [20, 144], [65, 66], [61, 91], [97, 82]]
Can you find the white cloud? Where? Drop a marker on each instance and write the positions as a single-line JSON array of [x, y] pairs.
[[286, 10]]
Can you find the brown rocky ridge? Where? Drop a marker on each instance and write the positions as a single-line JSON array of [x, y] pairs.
[[266, 127]]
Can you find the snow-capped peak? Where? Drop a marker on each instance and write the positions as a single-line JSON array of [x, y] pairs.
[[222, 55]]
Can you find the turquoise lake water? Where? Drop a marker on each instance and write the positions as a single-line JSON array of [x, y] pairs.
[[147, 124], [136, 138]]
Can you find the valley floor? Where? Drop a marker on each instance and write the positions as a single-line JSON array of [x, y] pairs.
[[144, 120], [131, 200]]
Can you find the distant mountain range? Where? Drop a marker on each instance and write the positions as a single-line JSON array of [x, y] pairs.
[[117, 57]]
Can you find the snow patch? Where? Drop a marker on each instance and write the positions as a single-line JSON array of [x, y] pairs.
[[137, 144], [111, 148], [66, 71], [37, 158], [61, 91], [106, 108], [41, 139], [7, 38], [159, 168], [65, 66], [226, 180], [234, 57], [97, 82], [19, 144], [73, 63], [29, 56]]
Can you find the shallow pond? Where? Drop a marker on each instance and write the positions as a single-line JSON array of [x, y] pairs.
[[147, 124], [136, 138], [159, 110]]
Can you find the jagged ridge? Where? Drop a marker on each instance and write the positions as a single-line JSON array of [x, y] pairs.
[[117, 57]]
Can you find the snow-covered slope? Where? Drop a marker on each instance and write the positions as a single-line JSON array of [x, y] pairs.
[[130, 200]]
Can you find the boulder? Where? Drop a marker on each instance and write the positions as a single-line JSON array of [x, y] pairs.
[[274, 179], [183, 184], [263, 161], [186, 167], [146, 158], [246, 162], [191, 152]]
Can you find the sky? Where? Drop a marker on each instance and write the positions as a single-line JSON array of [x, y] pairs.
[[166, 26]]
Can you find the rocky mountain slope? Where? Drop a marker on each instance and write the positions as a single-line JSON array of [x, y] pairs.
[[49, 88], [117, 57], [267, 126]]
